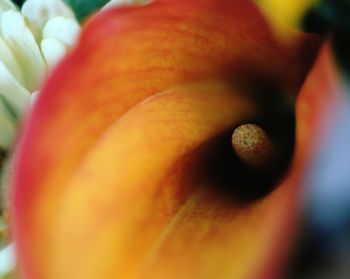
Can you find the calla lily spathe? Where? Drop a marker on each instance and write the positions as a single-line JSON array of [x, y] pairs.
[[108, 181]]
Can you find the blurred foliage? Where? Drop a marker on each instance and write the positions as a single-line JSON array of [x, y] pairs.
[[315, 22], [10, 275], [341, 47], [18, 2], [83, 8], [327, 14], [332, 18], [337, 12]]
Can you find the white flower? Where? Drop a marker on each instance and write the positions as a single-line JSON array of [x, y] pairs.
[[32, 41], [7, 259]]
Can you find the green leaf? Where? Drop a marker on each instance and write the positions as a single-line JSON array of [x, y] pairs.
[[83, 8]]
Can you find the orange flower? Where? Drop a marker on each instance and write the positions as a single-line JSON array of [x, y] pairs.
[[120, 166]]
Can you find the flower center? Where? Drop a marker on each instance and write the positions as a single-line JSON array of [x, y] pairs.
[[252, 144]]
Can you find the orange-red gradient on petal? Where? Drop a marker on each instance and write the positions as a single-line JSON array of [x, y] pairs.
[[107, 184]]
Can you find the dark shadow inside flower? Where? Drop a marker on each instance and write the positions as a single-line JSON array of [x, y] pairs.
[[225, 174], [234, 178]]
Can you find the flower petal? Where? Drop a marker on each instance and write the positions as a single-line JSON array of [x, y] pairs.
[[39, 12], [6, 5], [23, 45], [128, 147], [63, 29], [12, 91], [7, 57], [187, 230], [53, 51], [7, 260]]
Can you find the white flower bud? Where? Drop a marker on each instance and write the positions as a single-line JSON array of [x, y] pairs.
[[32, 42]]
